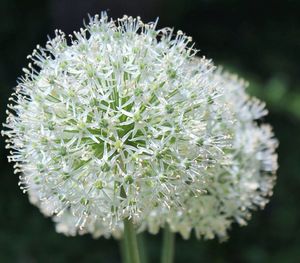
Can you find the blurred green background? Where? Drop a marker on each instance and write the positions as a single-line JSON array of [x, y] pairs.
[[260, 40]]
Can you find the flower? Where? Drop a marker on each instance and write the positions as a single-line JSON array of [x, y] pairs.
[[243, 184], [126, 122]]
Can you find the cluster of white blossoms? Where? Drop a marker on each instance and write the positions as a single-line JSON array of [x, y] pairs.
[[244, 183], [121, 120]]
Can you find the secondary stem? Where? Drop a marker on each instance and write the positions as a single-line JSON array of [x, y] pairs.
[[142, 247], [168, 245]]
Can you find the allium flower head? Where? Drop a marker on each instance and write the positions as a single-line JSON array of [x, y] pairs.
[[125, 122], [243, 184]]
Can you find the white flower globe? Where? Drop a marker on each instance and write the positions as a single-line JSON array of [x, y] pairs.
[[125, 122]]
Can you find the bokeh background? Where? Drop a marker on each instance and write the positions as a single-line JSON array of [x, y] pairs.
[[260, 40]]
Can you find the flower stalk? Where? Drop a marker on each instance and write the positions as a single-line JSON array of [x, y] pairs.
[[130, 242], [130, 246], [168, 245], [142, 247]]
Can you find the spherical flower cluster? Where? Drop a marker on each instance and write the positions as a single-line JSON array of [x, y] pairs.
[[244, 183], [125, 122]]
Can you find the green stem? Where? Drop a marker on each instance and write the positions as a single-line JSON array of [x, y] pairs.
[[130, 247], [142, 247], [168, 245], [124, 252], [130, 242]]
